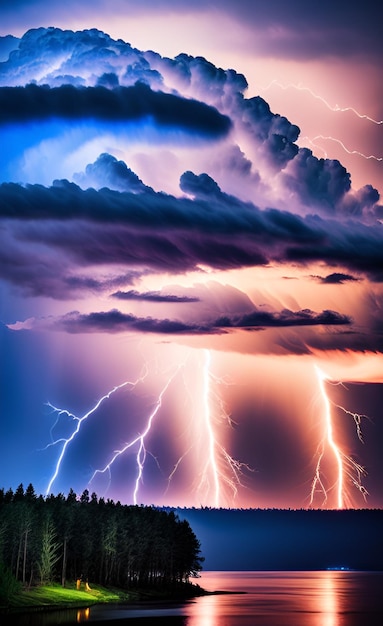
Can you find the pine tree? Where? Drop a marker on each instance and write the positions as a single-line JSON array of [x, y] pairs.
[[50, 552]]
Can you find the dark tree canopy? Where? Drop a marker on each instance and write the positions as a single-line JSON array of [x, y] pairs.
[[101, 541]]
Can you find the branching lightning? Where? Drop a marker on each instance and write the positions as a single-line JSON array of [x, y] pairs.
[[78, 423], [335, 109], [338, 141], [214, 473], [212, 456], [139, 441], [220, 468], [345, 466]]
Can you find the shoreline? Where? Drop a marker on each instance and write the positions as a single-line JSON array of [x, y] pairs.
[[99, 597]]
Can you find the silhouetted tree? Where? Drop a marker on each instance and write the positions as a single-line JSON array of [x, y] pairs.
[[107, 542], [50, 552]]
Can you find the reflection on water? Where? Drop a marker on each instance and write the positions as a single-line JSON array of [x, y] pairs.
[[331, 598], [329, 601], [83, 615], [60, 617]]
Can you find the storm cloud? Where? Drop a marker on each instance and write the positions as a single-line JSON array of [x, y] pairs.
[[152, 208], [134, 103], [158, 230], [152, 296], [115, 321]]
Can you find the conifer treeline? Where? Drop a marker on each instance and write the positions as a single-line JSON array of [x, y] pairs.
[[58, 538]]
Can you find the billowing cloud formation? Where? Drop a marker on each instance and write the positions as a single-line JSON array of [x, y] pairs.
[[89, 57], [157, 230], [108, 172], [134, 103], [150, 211], [87, 74], [322, 180]]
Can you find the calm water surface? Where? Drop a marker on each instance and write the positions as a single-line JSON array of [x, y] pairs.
[[329, 598]]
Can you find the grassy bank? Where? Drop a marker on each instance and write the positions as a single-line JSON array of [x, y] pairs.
[[56, 597]]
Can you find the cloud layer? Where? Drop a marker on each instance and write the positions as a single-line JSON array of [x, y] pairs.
[[169, 241], [257, 200]]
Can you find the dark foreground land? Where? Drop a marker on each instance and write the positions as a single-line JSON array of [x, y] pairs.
[[47, 598]]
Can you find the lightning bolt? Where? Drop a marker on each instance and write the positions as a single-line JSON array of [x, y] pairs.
[[220, 469], [219, 473], [78, 423], [139, 441], [338, 141], [345, 465], [335, 109], [212, 447]]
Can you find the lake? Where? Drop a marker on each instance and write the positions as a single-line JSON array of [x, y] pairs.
[[325, 598]]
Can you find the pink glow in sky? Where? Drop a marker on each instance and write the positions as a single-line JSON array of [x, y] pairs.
[[190, 227]]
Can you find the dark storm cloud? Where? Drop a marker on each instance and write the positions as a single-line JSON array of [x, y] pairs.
[[112, 69], [32, 102], [107, 171], [273, 131], [273, 134], [351, 244], [88, 283], [37, 272], [216, 84], [202, 185], [115, 321], [152, 296], [7, 44], [325, 184], [56, 57], [34, 271], [268, 319], [321, 182], [119, 65], [337, 278], [162, 232], [363, 201], [221, 215]]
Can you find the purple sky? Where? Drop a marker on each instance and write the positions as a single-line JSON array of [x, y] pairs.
[[191, 255]]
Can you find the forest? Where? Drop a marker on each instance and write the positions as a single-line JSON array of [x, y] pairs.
[[68, 538]]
